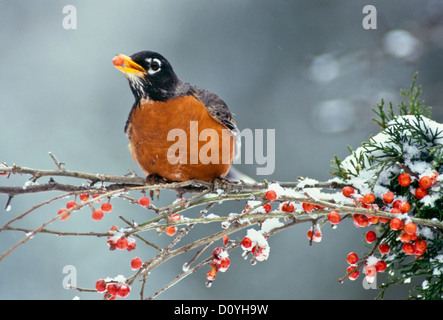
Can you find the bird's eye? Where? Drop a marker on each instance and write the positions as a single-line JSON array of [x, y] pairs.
[[155, 65]]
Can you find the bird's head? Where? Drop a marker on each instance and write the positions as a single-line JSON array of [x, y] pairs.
[[149, 74]]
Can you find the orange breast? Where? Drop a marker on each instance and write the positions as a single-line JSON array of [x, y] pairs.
[[179, 140]]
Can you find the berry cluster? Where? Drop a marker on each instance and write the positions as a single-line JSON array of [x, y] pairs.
[[255, 243], [371, 267], [113, 288], [119, 240], [220, 263], [314, 233], [424, 183], [407, 231], [97, 214]]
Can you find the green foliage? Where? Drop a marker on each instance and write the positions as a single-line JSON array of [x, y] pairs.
[[409, 142]]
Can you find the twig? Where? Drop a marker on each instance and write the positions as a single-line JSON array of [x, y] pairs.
[[57, 163], [201, 193]]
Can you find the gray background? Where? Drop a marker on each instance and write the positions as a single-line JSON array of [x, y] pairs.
[[307, 69]]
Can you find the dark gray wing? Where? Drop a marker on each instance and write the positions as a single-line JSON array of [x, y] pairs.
[[218, 109]]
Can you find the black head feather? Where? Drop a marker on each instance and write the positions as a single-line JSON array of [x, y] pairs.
[[159, 82]]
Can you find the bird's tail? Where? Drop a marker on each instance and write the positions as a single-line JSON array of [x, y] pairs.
[[236, 175]]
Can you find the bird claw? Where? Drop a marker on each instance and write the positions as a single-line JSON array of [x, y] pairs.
[[220, 183], [154, 178]]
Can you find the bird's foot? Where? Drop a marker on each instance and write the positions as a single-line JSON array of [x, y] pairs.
[[154, 178]]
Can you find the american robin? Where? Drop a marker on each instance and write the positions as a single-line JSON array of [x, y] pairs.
[[176, 130]]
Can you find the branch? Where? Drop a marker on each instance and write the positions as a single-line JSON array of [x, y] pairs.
[[200, 194]]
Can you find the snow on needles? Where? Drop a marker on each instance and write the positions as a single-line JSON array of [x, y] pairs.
[[411, 152]]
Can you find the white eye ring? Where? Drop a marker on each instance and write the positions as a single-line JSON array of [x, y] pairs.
[[150, 61]]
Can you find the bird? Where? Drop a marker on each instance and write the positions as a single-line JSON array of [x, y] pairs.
[[177, 131]]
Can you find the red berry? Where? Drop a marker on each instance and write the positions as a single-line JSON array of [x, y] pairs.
[[370, 236], [144, 201], [434, 177], [100, 285], [118, 61], [224, 264], [111, 288], [308, 207], [225, 240], [62, 215], [396, 204], [84, 197], [267, 207], [362, 203], [246, 242], [347, 191], [368, 198], [123, 290], [405, 206], [421, 193], [425, 182], [211, 275], [384, 248], [219, 253], [136, 263], [334, 217], [175, 217], [405, 237], [97, 214], [404, 179], [271, 195], [287, 207], [106, 207], [410, 228], [396, 224], [70, 204], [360, 220], [383, 220], [395, 210], [353, 275], [352, 258], [171, 230], [317, 235], [131, 244], [380, 266], [388, 197], [373, 219], [408, 248], [122, 243], [370, 271], [420, 245]]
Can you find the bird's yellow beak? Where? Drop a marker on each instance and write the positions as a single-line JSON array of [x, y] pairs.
[[126, 65]]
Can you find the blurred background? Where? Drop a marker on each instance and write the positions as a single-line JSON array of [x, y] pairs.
[[307, 69]]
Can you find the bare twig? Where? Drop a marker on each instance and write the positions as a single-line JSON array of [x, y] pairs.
[[201, 194]]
